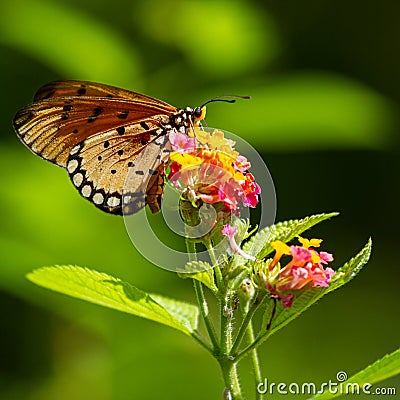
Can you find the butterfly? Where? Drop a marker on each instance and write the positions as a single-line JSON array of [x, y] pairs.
[[112, 142]]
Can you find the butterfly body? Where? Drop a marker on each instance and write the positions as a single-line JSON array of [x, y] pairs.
[[112, 142]]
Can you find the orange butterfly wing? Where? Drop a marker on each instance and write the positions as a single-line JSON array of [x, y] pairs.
[[60, 119], [116, 173], [91, 89], [105, 129]]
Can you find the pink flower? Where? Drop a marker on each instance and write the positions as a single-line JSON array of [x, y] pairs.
[[251, 190], [305, 267], [241, 164], [321, 277], [300, 254], [182, 143], [230, 231], [325, 257]]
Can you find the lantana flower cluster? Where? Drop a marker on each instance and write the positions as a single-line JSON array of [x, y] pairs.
[[206, 166], [307, 266]]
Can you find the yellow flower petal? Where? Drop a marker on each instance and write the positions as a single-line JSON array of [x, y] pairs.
[[309, 243], [315, 258], [228, 150], [185, 159], [216, 139], [280, 247], [202, 136], [239, 176]]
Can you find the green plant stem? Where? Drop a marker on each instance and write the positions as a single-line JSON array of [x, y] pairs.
[[245, 324], [210, 249], [191, 249], [226, 326], [228, 365], [202, 301], [231, 380], [255, 361], [205, 314], [217, 270], [222, 348]]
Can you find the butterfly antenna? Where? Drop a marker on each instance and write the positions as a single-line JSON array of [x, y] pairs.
[[225, 99]]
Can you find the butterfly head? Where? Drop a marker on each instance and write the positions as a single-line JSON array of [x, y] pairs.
[[199, 113]]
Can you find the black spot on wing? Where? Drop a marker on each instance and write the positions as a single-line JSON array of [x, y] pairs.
[[97, 111], [144, 125], [123, 114]]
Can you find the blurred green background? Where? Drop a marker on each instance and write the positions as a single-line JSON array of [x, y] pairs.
[[324, 76]]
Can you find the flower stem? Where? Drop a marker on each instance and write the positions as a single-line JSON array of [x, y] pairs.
[[226, 326], [245, 325], [255, 361], [210, 249], [202, 301], [205, 314], [217, 270], [191, 249], [231, 380], [228, 365]]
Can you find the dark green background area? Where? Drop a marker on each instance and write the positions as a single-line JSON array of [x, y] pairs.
[[324, 76]]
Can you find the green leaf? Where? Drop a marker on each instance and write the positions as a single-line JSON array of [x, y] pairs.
[[206, 276], [105, 290], [259, 244], [305, 299], [384, 368]]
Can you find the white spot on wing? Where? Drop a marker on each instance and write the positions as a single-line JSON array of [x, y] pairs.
[[113, 201], [72, 166], [98, 198], [86, 191], [75, 149], [77, 179]]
